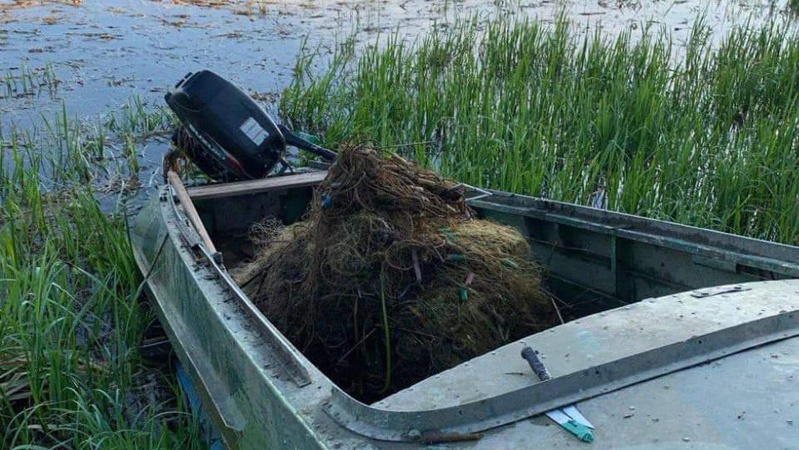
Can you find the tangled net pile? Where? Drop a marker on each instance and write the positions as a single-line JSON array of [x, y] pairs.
[[390, 280]]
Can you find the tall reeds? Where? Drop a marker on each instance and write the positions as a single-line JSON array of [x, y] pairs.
[[71, 322], [695, 134]]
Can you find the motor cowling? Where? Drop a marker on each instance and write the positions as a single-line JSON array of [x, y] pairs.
[[225, 133]]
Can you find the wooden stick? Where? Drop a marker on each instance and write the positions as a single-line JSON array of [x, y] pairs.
[[256, 186], [191, 212]]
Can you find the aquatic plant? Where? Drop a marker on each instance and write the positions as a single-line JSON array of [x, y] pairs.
[[697, 134], [25, 81], [72, 322]]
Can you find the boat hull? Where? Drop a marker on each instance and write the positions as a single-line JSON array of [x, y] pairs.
[[262, 392], [222, 347]]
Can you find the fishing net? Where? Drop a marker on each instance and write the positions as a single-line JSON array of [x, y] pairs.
[[391, 279]]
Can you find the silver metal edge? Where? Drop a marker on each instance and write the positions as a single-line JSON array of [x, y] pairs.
[[562, 390], [293, 361]]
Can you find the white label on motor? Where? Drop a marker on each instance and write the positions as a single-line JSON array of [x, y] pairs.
[[254, 131]]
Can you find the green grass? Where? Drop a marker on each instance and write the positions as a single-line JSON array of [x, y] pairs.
[[24, 82], [136, 118], [71, 318], [707, 140]]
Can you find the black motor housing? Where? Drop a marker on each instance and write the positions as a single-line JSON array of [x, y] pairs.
[[230, 135]]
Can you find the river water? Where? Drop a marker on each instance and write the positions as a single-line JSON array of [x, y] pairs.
[[103, 52], [91, 57]]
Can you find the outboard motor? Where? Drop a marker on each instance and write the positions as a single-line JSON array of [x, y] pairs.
[[225, 133]]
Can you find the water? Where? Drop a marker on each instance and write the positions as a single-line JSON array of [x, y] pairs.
[[103, 52], [93, 57]]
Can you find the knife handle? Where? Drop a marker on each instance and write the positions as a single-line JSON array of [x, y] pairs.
[[535, 363]]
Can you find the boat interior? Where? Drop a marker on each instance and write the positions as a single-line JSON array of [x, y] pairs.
[[592, 260]]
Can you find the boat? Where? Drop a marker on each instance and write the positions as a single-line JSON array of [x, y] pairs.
[[681, 335]]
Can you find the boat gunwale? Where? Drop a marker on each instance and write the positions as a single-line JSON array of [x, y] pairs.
[[293, 360], [196, 262]]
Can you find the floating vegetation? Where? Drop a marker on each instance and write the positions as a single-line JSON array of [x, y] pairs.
[[26, 82], [141, 120]]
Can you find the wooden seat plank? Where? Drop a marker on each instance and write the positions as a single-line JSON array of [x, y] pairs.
[[256, 186]]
